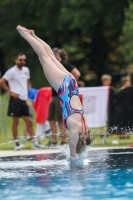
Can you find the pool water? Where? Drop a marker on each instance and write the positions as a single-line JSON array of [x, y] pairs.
[[104, 174]]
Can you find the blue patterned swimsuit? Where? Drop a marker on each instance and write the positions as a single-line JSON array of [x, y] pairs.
[[67, 89]]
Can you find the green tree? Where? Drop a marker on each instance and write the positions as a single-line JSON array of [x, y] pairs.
[[94, 27], [126, 38], [88, 30], [36, 15]]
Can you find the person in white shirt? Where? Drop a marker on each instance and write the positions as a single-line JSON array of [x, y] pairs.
[[18, 78]]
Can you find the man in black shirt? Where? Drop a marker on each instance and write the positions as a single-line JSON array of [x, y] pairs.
[[55, 114]]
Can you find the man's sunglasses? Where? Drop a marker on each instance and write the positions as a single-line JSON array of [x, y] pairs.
[[22, 60]]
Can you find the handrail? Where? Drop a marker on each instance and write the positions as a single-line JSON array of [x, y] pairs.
[[4, 120]]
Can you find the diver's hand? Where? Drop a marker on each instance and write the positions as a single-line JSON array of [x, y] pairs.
[[14, 95]]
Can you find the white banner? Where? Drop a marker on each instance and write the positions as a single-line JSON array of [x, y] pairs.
[[95, 100]]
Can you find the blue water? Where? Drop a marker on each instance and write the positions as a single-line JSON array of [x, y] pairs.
[[104, 174]]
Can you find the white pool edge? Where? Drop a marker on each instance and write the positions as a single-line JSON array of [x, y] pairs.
[[9, 153]]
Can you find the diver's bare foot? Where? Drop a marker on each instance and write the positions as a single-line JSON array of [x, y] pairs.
[[19, 27], [23, 31]]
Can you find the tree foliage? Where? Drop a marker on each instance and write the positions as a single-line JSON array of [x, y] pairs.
[[126, 38], [88, 30]]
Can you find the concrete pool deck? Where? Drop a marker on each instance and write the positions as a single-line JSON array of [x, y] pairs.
[[6, 153]]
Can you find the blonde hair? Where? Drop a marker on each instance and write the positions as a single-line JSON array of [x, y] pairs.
[[125, 79], [106, 77]]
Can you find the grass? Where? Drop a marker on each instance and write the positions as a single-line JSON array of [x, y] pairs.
[[8, 144]]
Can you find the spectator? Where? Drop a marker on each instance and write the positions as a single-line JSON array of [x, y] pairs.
[[120, 109], [18, 78], [31, 113], [106, 80], [41, 105], [39, 99], [55, 114], [126, 82], [81, 84]]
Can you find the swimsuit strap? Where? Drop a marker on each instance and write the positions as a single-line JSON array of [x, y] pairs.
[[83, 123]]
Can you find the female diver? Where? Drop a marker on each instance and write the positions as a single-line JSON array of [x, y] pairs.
[[66, 87]]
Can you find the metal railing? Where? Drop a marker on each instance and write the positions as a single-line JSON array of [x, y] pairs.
[[3, 119]]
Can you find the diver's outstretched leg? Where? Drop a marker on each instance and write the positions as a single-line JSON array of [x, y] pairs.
[[53, 74], [49, 52]]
